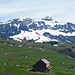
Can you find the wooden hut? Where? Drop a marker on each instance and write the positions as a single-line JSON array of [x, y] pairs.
[[7, 53], [42, 66], [11, 58]]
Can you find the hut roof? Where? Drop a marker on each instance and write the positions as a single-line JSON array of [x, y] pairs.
[[45, 61]]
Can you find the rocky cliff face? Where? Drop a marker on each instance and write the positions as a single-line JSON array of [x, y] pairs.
[[44, 30]]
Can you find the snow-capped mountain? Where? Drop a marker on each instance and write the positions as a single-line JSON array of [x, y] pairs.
[[44, 30]]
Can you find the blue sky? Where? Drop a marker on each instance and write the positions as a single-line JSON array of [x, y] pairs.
[[61, 10]]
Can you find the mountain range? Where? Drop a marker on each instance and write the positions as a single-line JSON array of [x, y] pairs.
[[44, 30]]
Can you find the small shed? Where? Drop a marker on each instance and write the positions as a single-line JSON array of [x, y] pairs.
[[5, 63], [7, 53], [42, 66], [11, 58]]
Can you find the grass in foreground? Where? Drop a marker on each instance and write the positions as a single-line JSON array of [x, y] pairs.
[[32, 56]]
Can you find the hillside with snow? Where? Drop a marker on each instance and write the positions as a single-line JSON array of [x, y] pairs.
[[46, 29]]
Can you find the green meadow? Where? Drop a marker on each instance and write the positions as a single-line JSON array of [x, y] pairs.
[[26, 56]]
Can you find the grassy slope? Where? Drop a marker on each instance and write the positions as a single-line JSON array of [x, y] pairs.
[[11, 70], [32, 56]]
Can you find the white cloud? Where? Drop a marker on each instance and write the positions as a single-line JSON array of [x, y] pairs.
[[13, 10], [59, 10]]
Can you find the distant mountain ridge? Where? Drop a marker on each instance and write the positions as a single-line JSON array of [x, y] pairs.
[[44, 30]]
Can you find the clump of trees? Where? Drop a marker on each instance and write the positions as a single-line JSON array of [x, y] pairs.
[[67, 51], [51, 42]]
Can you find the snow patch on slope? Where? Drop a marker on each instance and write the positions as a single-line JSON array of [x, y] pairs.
[[53, 32], [6, 22], [17, 25], [51, 23], [22, 19], [30, 36]]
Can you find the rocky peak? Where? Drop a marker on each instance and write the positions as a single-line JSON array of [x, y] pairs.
[[47, 18]]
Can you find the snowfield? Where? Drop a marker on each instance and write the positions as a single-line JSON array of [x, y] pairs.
[[46, 29], [30, 36]]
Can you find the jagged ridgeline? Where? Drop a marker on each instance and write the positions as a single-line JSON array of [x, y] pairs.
[[44, 30]]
